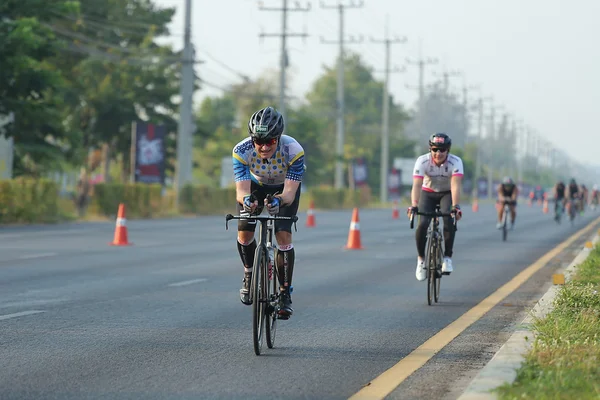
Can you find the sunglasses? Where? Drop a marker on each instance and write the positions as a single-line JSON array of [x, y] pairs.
[[436, 150], [267, 142]]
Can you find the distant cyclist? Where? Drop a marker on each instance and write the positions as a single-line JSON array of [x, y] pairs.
[[584, 197], [574, 194], [559, 198], [507, 191], [268, 162], [437, 179], [594, 197]]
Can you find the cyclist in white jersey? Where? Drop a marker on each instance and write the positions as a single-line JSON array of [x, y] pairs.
[[437, 179], [268, 163]]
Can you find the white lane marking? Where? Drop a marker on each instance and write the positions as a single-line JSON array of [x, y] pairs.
[[20, 314], [33, 303], [190, 282], [40, 255]]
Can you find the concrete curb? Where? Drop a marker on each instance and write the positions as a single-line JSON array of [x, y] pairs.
[[502, 368]]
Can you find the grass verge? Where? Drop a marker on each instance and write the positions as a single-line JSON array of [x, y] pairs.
[[564, 361]]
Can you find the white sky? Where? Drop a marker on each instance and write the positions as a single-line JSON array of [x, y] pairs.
[[538, 59]]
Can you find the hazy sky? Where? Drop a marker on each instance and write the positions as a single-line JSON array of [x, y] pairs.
[[538, 59]]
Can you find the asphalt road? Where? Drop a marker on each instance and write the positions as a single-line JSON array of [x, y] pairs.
[[161, 319]]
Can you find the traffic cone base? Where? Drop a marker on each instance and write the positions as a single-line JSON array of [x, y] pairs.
[[354, 234], [120, 238]]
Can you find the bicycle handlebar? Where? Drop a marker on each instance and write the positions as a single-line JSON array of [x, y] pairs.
[[293, 218], [432, 214]]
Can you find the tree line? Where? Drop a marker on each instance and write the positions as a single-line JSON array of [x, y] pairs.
[[75, 74]]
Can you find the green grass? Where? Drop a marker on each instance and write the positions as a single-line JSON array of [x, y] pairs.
[[564, 362]]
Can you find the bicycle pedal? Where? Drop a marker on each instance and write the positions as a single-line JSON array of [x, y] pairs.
[[446, 273], [284, 317]]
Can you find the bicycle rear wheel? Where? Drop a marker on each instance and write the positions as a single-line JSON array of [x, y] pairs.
[[259, 288], [572, 212], [271, 313]]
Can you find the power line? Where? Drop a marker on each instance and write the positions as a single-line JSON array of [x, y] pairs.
[[339, 166], [385, 118], [284, 34]]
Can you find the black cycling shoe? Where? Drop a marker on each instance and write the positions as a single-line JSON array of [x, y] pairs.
[[245, 290], [285, 305]]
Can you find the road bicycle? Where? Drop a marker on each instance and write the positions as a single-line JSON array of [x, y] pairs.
[[572, 207], [506, 204], [264, 293], [434, 251]]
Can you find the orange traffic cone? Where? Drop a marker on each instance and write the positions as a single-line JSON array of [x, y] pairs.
[[545, 209], [530, 203], [121, 228], [475, 205], [395, 212], [354, 234], [310, 215]]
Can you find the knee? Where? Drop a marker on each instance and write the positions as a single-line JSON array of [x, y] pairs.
[[245, 237], [283, 238]]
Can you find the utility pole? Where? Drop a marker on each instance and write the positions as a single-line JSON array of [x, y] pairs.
[[477, 173], [184, 134], [465, 91], [519, 141], [421, 63], [339, 149], [284, 59], [446, 112], [492, 145], [385, 117]]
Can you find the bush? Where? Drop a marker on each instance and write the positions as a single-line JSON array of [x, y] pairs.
[[141, 200], [28, 200]]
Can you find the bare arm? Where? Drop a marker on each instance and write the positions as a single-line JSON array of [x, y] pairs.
[[515, 194], [415, 193], [456, 188], [242, 189], [290, 187]]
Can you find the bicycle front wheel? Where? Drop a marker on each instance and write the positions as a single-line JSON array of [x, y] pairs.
[[430, 263], [259, 288], [438, 272], [504, 224], [271, 313]]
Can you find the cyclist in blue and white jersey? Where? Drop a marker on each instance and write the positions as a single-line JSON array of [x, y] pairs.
[[437, 179], [268, 163]]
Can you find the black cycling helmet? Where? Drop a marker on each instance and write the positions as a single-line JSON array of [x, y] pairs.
[[266, 123], [440, 140], [507, 180]]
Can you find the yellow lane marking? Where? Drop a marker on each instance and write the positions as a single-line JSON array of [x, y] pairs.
[[385, 383]]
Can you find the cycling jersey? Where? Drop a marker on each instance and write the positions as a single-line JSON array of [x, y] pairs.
[[573, 190], [560, 191], [286, 163], [507, 190], [437, 178]]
